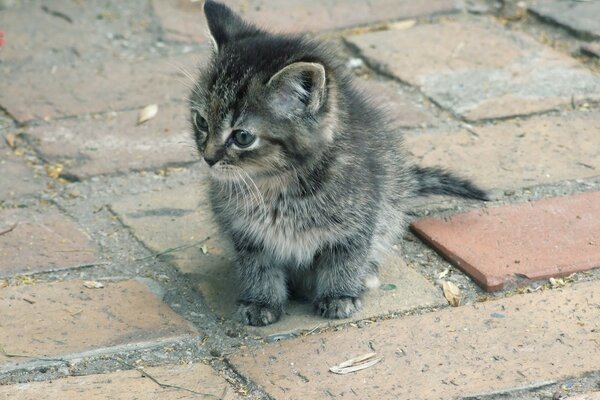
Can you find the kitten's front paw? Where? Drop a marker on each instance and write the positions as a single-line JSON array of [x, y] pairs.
[[257, 315], [338, 307]]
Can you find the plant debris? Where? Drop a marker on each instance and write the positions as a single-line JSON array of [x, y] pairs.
[[93, 284], [11, 140], [147, 113], [451, 293], [9, 229], [356, 364]]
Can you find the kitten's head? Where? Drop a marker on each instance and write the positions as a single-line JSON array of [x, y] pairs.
[[265, 103]]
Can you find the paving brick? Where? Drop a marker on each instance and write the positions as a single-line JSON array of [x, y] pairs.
[[534, 240], [115, 143], [127, 385], [75, 31], [516, 154], [183, 21], [172, 218], [480, 71], [41, 242], [463, 351], [62, 318], [588, 396], [402, 111], [581, 17], [17, 177], [82, 87]]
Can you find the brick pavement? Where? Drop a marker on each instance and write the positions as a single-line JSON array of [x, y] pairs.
[[106, 265]]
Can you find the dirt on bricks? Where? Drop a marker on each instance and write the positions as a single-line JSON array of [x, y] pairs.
[[114, 282]]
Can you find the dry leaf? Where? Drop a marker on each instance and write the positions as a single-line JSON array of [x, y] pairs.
[[3, 283], [54, 171], [444, 273], [409, 23], [356, 364], [451, 293], [93, 284], [147, 113], [204, 249], [10, 140]]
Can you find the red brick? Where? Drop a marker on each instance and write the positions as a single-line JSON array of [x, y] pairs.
[[184, 21], [41, 242], [534, 240], [62, 318], [480, 71], [84, 87], [115, 143], [128, 385], [465, 351]]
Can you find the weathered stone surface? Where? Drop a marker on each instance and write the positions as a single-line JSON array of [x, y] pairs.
[[127, 385], [551, 237], [480, 71], [516, 154], [62, 318], [588, 396], [399, 108], [17, 178], [172, 218], [184, 21], [83, 87], [41, 242], [116, 143], [465, 351], [579, 16]]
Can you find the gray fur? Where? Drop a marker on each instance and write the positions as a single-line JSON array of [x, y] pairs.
[[314, 204]]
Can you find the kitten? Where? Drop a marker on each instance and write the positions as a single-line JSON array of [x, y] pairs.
[[307, 178]]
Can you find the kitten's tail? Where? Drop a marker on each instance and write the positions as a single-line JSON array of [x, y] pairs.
[[438, 181]]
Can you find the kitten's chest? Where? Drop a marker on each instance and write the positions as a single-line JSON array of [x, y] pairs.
[[290, 231]]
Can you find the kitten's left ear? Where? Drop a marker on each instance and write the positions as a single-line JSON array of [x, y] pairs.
[[225, 25], [297, 88]]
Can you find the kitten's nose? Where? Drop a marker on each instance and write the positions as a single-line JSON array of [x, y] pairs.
[[211, 160]]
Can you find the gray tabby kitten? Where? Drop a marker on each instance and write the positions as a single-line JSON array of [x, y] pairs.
[[306, 177]]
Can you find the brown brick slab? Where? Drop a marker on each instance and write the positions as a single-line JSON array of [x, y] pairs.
[[480, 71], [171, 218], [184, 21], [127, 385], [510, 343], [535, 240], [62, 318], [41, 242], [115, 143], [581, 17], [87, 87], [516, 154], [17, 177]]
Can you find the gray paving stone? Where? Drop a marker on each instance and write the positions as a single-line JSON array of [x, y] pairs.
[[184, 21], [480, 71], [171, 218], [579, 16], [516, 154], [18, 178], [115, 142]]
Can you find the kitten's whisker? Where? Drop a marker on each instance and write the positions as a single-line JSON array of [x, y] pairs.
[[185, 72]]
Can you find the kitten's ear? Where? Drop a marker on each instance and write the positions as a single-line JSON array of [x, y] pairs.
[[225, 25], [297, 88]]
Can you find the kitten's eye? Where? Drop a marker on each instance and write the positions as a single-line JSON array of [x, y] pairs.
[[242, 138], [200, 122]]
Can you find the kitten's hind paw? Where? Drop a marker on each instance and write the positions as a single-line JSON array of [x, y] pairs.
[[338, 307], [257, 315]]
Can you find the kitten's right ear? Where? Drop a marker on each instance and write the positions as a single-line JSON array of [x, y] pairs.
[[225, 25]]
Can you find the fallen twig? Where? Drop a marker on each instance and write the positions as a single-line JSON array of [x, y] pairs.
[[356, 364], [173, 249], [4, 232], [12, 355], [164, 385]]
